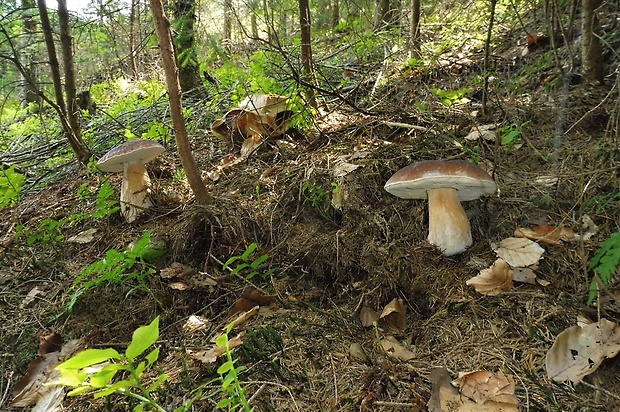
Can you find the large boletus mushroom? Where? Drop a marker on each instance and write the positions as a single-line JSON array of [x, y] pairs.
[[445, 183], [130, 158]]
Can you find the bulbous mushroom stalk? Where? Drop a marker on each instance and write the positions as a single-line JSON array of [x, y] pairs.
[[445, 184], [448, 224], [135, 191], [130, 158]]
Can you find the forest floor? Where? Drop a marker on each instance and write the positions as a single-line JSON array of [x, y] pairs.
[[334, 252]]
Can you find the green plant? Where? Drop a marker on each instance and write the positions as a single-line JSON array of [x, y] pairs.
[[451, 97], [47, 233], [229, 378], [315, 195], [95, 370], [248, 267], [605, 264], [106, 203], [511, 133], [11, 184], [133, 264]]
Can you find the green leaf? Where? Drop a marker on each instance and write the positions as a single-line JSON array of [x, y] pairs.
[[251, 248], [259, 261], [140, 368], [89, 357], [224, 403], [230, 261], [112, 388], [79, 391], [152, 357], [102, 378], [225, 367], [72, 377], [161, 379], [222, 340], [143, 337]]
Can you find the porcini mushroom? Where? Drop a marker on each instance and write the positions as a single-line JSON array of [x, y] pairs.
[[445, 183], [130, 158]]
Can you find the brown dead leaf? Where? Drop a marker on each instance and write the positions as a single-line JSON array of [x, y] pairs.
[[392, 347], [482, 386], [368, 316], [49, 342], [493, 281], [85, 236], [579, 350], [249, 298], [395, 314], [547, 234], [195, 324], [211, 355], [249, 145], [176, 269], [519, 252], [37, 386], [445, 397], [34, 293]]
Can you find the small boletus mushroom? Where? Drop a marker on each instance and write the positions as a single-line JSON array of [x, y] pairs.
[[445, 183], [130, 158]]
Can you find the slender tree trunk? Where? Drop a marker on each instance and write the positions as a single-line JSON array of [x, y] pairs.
[[381, 14], [187, 58], [414, 40], [228, 15], [66, 45], [591, 50], [76, 142], [335, 13], [306, 49], [29, 78], [487, 54], [268, 12], [135, 13], [253, 9], [176, 108]]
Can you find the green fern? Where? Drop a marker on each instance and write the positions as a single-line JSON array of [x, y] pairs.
[[605, 263]]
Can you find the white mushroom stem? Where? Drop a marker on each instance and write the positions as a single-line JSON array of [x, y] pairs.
[[448, 224], [135, 191]]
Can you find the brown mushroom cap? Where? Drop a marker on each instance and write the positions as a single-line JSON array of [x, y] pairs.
[[134, 151], [415, 180]]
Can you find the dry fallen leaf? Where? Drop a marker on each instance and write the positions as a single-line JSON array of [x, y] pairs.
[[482, 386], [195, 323], [357, 351], [392, 347], [176, 269], [446, 398], [395, 314], [343, 168], [83, 237], [368, 316], [519, 252], [579, 350], [249, 145], [546, 234], [34, 293], [211, 355], [493, 281], [484, 132]]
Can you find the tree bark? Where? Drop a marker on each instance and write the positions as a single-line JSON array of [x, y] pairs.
[[29, 78], [76, 142], [188, 67], [335, 13], [66, 46], [381, 14], [414, 40], [306, 49], [591, 50], [176, 108], [228, 13]]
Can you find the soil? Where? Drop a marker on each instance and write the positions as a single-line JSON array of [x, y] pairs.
[[337, 242]]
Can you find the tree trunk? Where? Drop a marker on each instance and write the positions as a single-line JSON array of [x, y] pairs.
[[268, 11], [414, 40], [306, 49], [253, 9], [176, 108], [591, 50], [487, 53], [335, 13], [76, 142], [66, 46], [381, 14], [135, 13], [29, 78], [187, 58], [228, 15]]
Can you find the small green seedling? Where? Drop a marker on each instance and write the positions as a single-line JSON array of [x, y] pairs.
[[248, 267], [103, 372], [11, 184]]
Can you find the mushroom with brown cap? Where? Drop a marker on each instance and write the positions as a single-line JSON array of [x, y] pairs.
[[130, 158], [445, 183]]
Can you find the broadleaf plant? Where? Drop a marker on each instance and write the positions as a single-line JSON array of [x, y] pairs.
[[95, 370]]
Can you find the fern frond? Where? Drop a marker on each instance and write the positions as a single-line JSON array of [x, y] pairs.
[[605, 263]]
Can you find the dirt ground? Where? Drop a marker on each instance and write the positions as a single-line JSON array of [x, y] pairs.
[[332, 255]]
